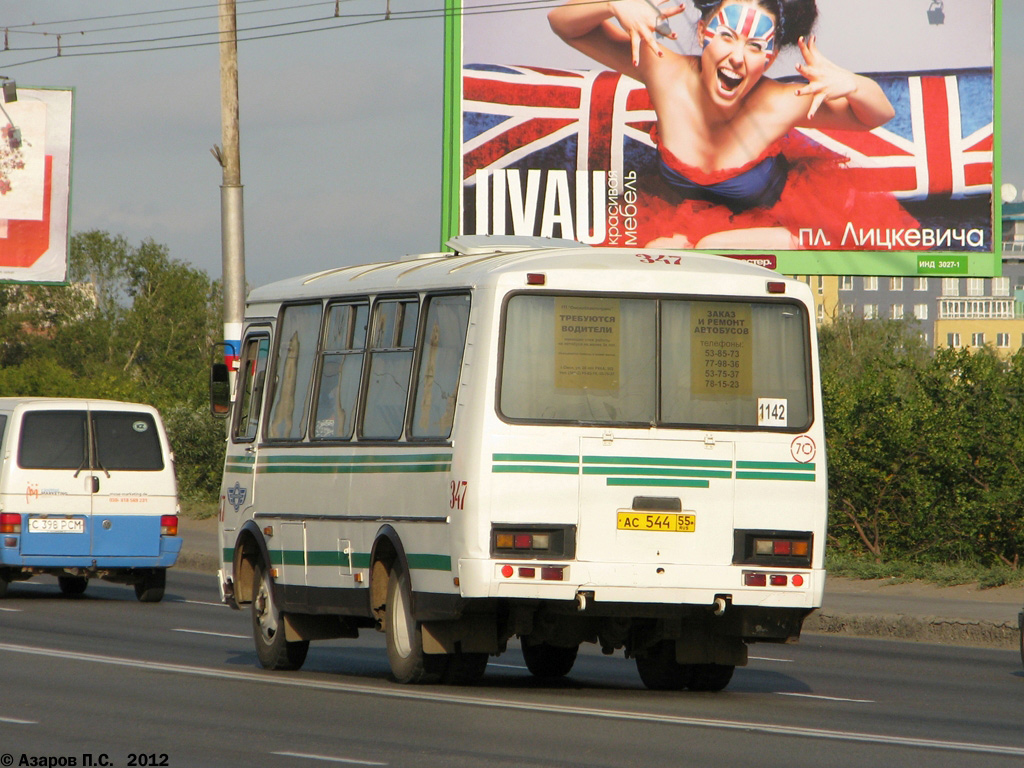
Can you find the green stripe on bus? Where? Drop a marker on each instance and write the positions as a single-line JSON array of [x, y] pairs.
[[358, 459], [660, 482], [800, 476], [341, 469], [534, 470], [429, 562], [656, 471], [651, 462], [775, 465], [537, 457], [333, 559]]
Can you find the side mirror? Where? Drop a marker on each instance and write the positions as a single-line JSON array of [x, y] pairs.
[[220, 383]]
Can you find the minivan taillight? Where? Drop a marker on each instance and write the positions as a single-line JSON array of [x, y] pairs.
[[10, 522], [169, 525]]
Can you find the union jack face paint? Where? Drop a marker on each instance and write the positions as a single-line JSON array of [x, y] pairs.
[[746, 21]]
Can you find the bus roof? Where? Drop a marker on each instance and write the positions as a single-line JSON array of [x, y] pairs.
[[478, 261]]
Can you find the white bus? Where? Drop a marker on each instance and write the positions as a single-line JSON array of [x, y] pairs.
[[528, 439]]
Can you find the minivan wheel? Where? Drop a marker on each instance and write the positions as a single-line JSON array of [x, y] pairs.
[[72, 585], [150, 588]]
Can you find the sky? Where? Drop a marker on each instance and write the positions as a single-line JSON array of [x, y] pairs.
[[340, 118]]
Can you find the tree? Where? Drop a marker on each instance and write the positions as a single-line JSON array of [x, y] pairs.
[[923, 446], [133, 324]]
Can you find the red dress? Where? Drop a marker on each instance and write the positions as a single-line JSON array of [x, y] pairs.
[[821, 197]]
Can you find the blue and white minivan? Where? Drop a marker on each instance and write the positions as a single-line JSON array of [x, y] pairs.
[[87, 490]]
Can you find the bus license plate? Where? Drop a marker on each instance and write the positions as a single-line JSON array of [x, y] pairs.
[[56, 525], [656, 521]]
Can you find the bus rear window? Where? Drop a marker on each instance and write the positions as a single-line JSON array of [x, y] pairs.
[[644, 361]]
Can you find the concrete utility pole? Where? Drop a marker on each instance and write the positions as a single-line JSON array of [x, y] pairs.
[[232, 236]]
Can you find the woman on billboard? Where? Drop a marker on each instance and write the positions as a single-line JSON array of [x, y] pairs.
[[732, 174]]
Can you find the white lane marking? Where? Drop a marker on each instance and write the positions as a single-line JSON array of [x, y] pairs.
[[212, 634], [16, 721], [825, 698], [328, 758], [508, 666], [768, 658], [200, 602], [11, 610], [434, 696]]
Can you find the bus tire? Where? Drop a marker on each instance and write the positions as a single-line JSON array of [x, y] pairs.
[[72, 585], [272, 648], [659, 669], [150, 587], [549, 662], [5, 580], [404, 636], [710, 677]]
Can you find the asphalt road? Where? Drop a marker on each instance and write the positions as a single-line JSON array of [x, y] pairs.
[[105, 680]]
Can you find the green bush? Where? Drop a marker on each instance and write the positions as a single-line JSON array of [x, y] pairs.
[[924, 448]]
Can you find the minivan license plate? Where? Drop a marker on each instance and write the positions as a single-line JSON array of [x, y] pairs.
[[56, 525]]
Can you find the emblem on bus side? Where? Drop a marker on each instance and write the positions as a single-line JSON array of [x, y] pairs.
[[236, 495]]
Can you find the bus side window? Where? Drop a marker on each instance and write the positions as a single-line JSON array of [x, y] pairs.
[[390, 364], [340, 371], [298, 331], [437, 381], [252, 372]]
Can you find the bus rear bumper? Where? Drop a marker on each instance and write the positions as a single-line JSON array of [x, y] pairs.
[[629, 583]]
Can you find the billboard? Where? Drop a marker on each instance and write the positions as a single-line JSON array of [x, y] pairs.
[[570, 134], [35, 181]]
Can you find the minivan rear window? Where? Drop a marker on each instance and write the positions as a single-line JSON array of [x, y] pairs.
[[59, 439], [126, 441], [53, 440]]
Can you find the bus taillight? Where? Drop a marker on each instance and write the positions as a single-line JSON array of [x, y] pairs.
[[169, 525], [10, 522], [539, 542]]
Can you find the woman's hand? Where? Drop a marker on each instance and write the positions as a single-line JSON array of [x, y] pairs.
[[858, 98], [639, 21], [826, 81]]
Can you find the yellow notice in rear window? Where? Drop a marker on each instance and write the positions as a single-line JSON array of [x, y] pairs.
[[721, 349]]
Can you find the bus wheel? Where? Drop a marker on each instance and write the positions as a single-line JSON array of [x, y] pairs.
[[711, 677], [273, 650], [549, 661], [150, 588], [409, 664], [72, 585], [659, 669], [4, 581]]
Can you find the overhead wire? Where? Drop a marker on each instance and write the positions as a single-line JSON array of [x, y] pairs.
[[336, 20]]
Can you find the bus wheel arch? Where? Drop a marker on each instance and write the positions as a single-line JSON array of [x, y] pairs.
[[387, 554], [250, 550]]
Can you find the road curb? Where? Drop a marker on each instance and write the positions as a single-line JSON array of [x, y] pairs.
[[925, 629], [197, 563]]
